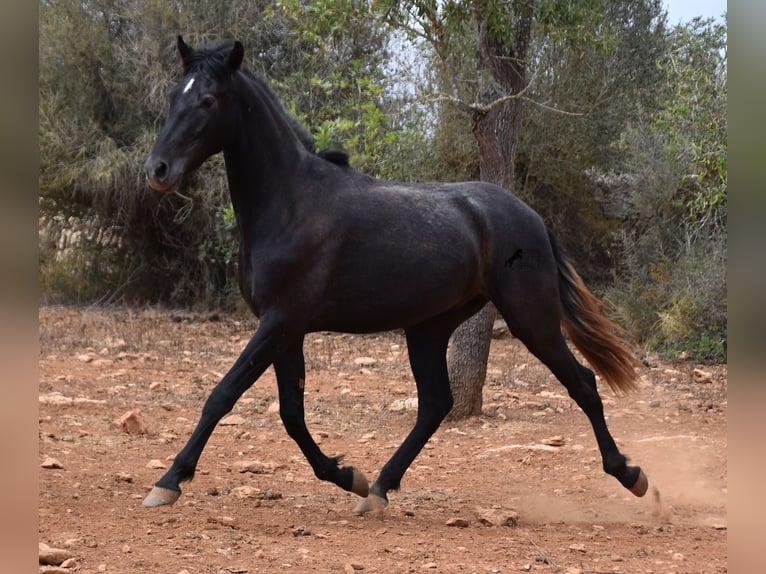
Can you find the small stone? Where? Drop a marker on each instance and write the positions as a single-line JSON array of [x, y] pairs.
[[493, 517], [51, 462], [557, 440], [399, 405], [678, 557], [352, 567], [156, 464], [577, 547], [429, 565], [365, 361], [302, 531], [458, 522], [85, 358], [123, 477], [254, 466], [233, 420], [54, 570], [132, 422], [702, 377], [273, 408], [243, 492], [223, 520]]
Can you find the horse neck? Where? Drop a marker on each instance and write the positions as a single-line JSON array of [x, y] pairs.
[[264, 154]]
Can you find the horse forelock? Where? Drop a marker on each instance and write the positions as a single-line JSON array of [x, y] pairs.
[[210, 59]]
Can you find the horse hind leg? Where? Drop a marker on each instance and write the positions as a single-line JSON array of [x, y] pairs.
[[532, 313]]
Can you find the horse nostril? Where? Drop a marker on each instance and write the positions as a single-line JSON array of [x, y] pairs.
[[160, 171]]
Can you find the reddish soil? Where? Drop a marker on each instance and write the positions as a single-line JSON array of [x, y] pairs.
[[96, 365]]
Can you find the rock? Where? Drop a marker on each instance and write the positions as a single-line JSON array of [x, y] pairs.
[[577, 547], [702, 377], [123, 477], [52, 556], [365, 362], [155, 463], [554, 441], [254, 466], [243, 492], [54, 570], [494, 517], [399, 405], [85, 358], [223, 520], [233, 420], [352, 567], [51, 462], [274, 408], [132, 422], [458, 522], [429, 565]]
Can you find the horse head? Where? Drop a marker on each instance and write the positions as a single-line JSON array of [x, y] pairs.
[[200, 119]]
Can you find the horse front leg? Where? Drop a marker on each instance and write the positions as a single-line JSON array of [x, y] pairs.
[[252, 362], [291, 376]]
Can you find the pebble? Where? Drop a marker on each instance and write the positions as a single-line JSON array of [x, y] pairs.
[[458, 522], [233, 420], [132, 422], [51, 462]]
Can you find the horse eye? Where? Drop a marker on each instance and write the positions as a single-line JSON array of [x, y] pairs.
[[207, 101]]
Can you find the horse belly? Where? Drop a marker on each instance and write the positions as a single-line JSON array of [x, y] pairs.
[[390, 293]]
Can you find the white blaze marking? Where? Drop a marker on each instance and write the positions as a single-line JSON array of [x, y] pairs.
[[188, 86]]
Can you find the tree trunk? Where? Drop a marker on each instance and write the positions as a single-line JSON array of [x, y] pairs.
[[501, 66]]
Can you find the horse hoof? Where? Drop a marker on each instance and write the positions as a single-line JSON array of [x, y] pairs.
[[373, 503], [360, 485], [641, 485], [161, 496]]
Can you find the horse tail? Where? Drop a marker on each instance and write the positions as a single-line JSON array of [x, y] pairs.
[[596, 337]]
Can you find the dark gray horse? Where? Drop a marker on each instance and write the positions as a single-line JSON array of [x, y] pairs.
[[326, 248]]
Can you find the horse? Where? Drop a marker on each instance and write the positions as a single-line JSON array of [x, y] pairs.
[[324, 247]]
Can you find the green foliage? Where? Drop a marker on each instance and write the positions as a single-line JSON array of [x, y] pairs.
[[106, 67], [672, 286]]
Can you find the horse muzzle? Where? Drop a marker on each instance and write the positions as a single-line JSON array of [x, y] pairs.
[[161, 176]]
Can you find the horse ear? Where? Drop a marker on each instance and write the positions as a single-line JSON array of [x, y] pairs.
[[235, 56], [184, 50]]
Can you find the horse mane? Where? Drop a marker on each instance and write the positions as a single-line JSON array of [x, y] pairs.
[[337, 157]]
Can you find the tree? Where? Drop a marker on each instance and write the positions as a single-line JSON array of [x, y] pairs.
[[510, 40], [106, 67], [671, 287]]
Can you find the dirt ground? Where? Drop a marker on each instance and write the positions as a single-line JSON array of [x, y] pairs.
[[255, 505]]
